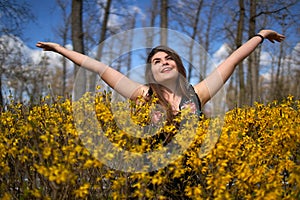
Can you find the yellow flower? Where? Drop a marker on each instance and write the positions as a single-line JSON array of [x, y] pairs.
[[82, 191], [255, 157]]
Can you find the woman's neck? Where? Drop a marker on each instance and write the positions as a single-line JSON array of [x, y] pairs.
[[174, 98]]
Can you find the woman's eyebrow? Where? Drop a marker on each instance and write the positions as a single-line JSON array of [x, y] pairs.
[[155, 59], [167, 56]]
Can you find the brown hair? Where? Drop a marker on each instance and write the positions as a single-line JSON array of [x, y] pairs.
[[157, 89]]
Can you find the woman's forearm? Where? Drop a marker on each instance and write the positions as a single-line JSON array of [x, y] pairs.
[[211, 85], [112, 77], [79, 59], [227, 67]]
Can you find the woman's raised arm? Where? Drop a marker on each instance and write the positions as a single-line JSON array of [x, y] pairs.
[[207, 88], [116, 80]]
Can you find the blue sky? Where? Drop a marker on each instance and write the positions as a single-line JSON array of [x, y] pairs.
[[47, 17]]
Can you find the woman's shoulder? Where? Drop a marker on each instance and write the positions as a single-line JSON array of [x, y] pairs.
[[143, 91]]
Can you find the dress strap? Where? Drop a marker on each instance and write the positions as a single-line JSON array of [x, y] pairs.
[[192, 100]]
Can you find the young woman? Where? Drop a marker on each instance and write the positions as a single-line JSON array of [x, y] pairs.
[[166, 75]]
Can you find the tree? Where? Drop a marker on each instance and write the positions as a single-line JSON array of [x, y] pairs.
[[63, 32], [103, 31], [153, 12], [188, 21], [164, 21], [255, 79], [195, 25], [252, 78], [239, 39], [14, 16], [277, 13], [209, 33], [78, 45], [23, 80]]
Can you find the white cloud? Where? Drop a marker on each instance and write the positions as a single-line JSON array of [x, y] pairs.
[[15, 44], [265, 59], [295, 55], [221, 54], [11, 45]]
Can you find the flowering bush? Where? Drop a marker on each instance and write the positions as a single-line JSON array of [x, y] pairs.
[[43, 156]]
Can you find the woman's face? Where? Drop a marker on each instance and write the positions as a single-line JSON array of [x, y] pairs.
[[164, 68]]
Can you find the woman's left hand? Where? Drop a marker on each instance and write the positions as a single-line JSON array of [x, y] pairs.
[[272, 36]]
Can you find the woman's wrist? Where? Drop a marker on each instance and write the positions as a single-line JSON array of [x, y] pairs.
[[264, 33], [59, 48], [261, 36]]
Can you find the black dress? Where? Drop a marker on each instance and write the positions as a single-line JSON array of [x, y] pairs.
[[173, 188]]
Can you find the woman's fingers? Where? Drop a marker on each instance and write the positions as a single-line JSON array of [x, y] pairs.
[[41, 45], [47, 46], [280, 38], [275, 37]]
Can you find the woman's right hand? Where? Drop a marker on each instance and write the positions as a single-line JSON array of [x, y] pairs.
[[48, 46]]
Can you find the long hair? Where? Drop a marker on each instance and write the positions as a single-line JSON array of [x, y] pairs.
[[158, 89]]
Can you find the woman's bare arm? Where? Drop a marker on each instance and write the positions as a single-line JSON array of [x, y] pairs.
[[207, 88], [116, 80]]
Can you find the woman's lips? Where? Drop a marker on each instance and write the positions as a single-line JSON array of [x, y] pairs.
[[166, 69]]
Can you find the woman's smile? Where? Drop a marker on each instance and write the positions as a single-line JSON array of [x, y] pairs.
[[166, 69]]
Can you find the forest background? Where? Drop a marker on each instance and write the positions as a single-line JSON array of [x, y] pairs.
[[272, 72]]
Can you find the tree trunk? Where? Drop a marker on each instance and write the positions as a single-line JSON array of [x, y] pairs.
[[208, 37], [77, 41], [63, 32], [130, 37], [279, 77], [252, 80], [164, 22], [150, 34], [194, 32], [238, 41], [93, 76], [1, 95]]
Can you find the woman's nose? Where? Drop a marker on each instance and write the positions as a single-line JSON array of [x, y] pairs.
[[164, 62]]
